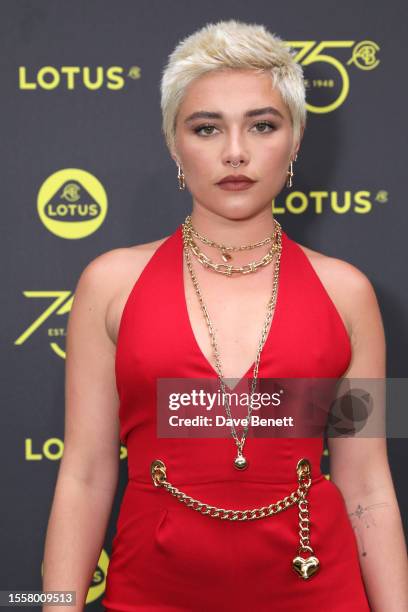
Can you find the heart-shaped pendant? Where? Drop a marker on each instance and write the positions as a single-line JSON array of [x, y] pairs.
[[305, 568]]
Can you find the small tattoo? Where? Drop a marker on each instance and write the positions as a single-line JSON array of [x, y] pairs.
[[363, 517]]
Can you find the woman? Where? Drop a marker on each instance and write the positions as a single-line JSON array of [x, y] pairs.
[[189, 306]]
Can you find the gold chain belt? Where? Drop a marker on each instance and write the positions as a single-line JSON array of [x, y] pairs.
[[304, 567]]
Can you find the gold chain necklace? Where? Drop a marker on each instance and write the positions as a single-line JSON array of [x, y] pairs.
[[228, 269], [240, 461], [222, 247]]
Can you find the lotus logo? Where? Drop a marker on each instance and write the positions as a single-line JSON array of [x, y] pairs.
[[72, 203]]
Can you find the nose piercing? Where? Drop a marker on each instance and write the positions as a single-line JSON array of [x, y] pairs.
[[235, 165]]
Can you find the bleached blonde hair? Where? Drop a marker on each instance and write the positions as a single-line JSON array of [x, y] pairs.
[[231, 44]]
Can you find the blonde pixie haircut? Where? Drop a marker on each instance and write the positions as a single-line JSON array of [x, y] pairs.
[[231, 44]]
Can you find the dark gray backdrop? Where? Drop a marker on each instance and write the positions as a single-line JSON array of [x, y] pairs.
[[114, 134]]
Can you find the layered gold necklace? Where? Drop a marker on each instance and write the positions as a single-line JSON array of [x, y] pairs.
[[224, 268], [240, 461]]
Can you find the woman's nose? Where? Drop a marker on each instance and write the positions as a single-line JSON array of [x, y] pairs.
[[235, 151]]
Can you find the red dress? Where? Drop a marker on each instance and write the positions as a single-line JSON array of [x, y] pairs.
[[168, 557]]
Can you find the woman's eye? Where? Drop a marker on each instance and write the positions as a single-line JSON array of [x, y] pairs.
[[198, 129], [264, 124]]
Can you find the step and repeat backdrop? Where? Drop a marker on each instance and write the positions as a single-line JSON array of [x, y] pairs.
[[85, 170]]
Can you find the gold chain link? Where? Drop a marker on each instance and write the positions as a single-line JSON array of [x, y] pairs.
[[158, 472], [228, 269], [223, 247]]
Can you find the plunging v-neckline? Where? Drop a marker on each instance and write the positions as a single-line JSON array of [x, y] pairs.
[[189, 327]]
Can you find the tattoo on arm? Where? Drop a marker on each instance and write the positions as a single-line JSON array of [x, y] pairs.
[[362, 518]]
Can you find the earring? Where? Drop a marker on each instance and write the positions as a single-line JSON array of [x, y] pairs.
[[180, 176], [289, 182]]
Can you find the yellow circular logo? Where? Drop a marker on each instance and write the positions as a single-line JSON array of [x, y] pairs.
[[72, 203], [364, 55]]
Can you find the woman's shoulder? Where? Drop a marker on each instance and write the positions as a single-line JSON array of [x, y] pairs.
[[349, 287], [113, 265], [111, 275], [336, 271]]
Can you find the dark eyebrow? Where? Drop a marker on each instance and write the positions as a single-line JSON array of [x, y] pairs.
[[251, 113]]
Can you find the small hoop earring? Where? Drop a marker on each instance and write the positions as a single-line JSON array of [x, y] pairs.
[[180, 177], [289, 182]]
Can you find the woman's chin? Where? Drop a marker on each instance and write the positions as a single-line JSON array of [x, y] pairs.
[[239, 211]]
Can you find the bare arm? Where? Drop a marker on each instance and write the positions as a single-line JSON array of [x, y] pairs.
[[359, 467], [88, 472]]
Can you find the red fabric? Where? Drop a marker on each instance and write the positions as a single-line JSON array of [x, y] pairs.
[[168, 557]]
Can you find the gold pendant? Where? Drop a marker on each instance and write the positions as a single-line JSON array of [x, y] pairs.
[[305, 568], [225, 256], [240, 462]]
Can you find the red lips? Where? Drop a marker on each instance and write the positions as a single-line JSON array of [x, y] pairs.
[[235, 178]]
